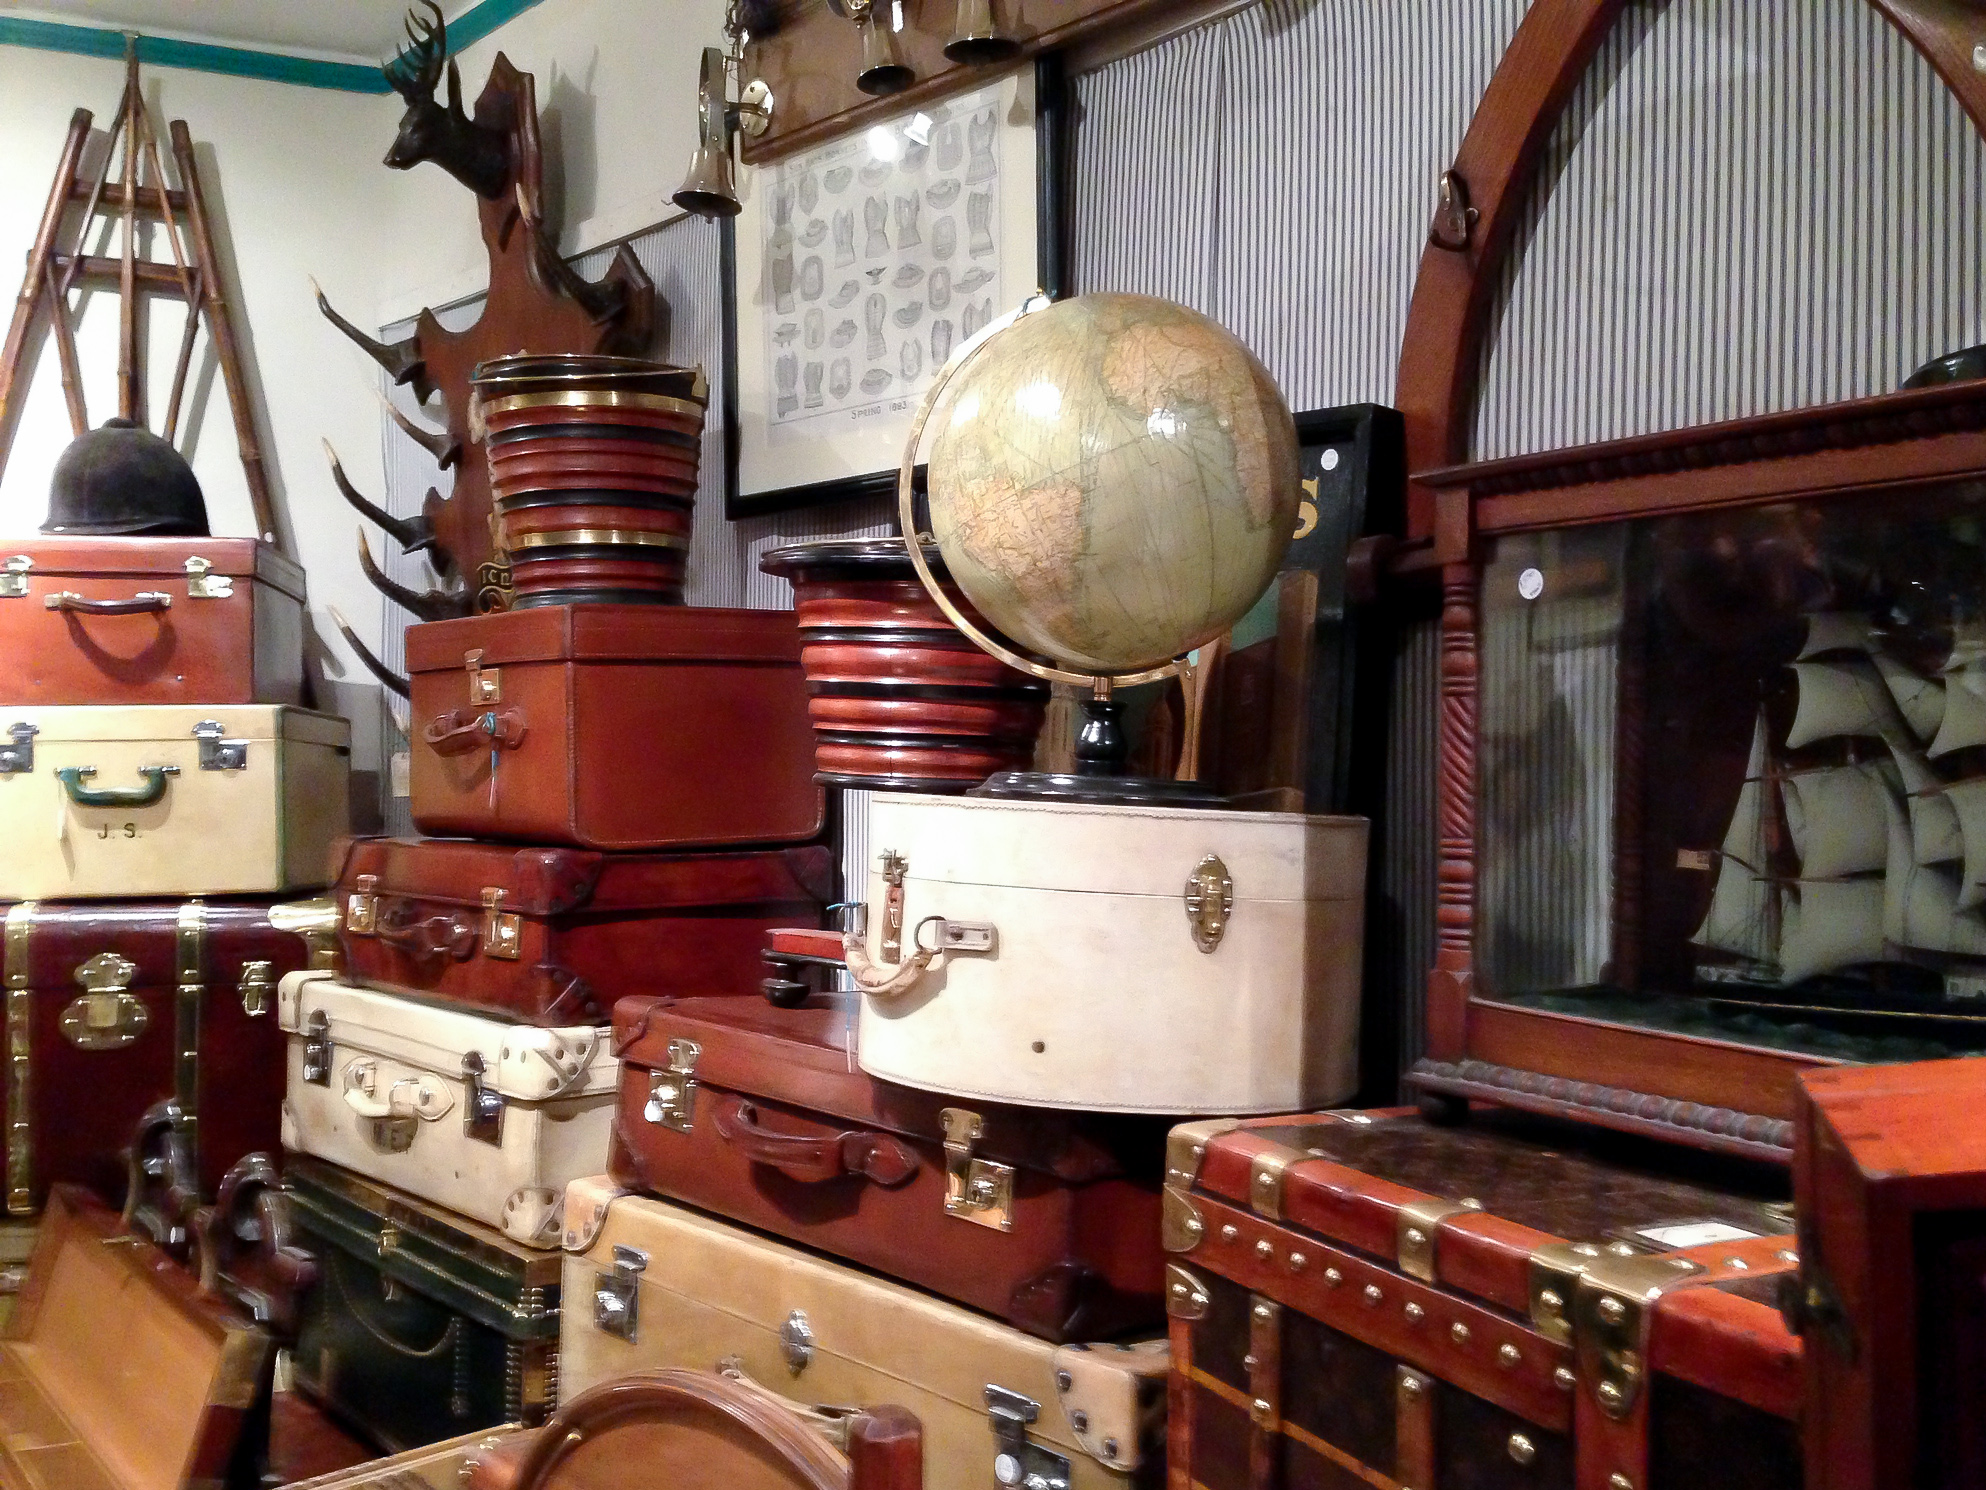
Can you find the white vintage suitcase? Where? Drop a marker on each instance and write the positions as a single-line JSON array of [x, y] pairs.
[[158, 799], [486, 1118], [1117, 959], [651, 1284]]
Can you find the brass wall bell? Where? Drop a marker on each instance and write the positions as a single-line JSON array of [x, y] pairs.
[[883, 69], [709, 190], [977, 38]]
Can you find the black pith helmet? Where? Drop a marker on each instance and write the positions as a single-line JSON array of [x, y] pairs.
[[122, 478]]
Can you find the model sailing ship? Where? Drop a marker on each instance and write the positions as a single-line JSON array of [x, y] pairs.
[[1875, 858]]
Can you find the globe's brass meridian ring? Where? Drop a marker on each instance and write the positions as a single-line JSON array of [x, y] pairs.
[[907, 519]]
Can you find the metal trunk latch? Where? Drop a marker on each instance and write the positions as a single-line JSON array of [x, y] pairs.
[[362, 906], [217, 754], [317, 1048], [1018, 1462], [976, 1190], [1209, 902], [672, 1093], [894, 867], [203, 584], [257, 978], [108, 1016], [485, 683], [482, 1109], [18, 758], [14, 576], [616, 1295], [503, 931], [796, 1341]]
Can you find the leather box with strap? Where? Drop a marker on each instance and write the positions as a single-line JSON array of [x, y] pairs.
[[1369, 1298]]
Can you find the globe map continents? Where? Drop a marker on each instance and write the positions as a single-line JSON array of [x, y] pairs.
[[1113, 481]]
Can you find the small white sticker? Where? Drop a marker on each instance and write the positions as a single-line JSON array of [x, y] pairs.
[[1329, 460], [1695, 1234], [1531, 583], [398, 771]]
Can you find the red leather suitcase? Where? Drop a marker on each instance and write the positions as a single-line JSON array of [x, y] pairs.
[[150, 621], [1371, 1299], [550, 935], [113, 1005], [613, 727], [1047, 1219]]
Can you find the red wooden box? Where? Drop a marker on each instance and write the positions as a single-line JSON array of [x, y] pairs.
[[1369, 1299]]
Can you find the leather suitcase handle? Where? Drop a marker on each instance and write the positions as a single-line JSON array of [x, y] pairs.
[[460, 731], [439, 935], [144, 602], [154, 789], [876, 1157]]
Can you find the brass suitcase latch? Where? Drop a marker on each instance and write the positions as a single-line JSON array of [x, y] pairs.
[[672, 1093], [107, 1016], [257, 978], [203, 584], [1018, 1462], [485, 683], [503, 931], [217, 754], [317, 1048], [976, 1190], [14, 577], [362, 906], [1209, 902], [617, 1295], [17, 758]]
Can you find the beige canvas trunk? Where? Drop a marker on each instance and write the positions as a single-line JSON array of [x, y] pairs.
[[102, 801], [650, 1284], [483, 1117]]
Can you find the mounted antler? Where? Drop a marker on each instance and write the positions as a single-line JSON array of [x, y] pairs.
[[373, 665], [431, 605], [444, 447], [402, 359], [477, 156], [411, 533]]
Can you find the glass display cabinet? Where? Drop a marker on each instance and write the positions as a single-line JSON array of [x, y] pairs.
[[1712, 766]]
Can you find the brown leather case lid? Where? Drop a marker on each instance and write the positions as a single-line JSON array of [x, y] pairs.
[[805, 1057], [607, 633], [116, 1372], [561, 881], [241, 557]]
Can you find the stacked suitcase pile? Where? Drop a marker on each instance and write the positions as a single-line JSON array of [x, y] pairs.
[[160, 792], [619, 795]]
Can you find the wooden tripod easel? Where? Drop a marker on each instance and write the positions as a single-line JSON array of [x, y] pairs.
[[195, 278]]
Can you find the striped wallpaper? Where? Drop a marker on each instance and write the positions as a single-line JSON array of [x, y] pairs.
[[1754, 204]]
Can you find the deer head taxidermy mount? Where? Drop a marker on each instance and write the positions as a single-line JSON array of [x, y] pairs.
[[470, 151], [535, 303]]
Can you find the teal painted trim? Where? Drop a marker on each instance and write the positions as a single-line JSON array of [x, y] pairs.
[[245, 62]]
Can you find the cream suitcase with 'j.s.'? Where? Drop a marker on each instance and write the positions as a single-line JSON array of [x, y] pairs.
[[486, 1118], [1113, 959], [648, 1284], [100, 800]]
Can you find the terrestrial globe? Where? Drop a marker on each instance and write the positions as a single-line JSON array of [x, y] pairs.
[[1112, 481]]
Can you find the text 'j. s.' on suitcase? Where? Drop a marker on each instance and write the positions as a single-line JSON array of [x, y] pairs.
[[202, 621], [613, 727], [1048, 1219], [550, 935], [422, 1325], [111, 1007], [1368, 1298], [654, 1284], [1107, 958], [487, 1118], [111, 801], [116, 1373]]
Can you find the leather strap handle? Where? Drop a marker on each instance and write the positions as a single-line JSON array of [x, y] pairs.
[[460, 731], [143, 603], [443, 934], [881, 982], [154, 789], [876, 1157]]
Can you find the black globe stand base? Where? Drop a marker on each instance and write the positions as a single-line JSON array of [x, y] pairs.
[[1101, 750]]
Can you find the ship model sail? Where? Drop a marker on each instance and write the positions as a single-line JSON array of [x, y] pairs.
[[1872, 858]]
